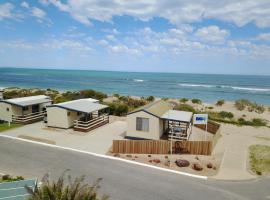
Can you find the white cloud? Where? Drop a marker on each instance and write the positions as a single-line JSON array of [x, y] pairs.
[[239, 12], [24, 4], [212, 34], [6, 10], [37, 12], [264, 36]]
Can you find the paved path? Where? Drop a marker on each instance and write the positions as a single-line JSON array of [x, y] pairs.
[[233, 148], [97, 141], [122, 181]]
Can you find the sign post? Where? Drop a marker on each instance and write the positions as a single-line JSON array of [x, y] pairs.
[[201, 119]]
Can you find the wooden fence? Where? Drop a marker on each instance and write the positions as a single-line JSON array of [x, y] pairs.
[[162, 147], [212, 127]]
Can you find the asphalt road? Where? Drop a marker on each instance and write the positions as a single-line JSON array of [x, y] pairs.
[[122, 181]]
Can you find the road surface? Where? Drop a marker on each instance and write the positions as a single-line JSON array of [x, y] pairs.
[[121, 181]]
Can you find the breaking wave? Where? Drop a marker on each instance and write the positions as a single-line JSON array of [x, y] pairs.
[[226, 86], [138, 80]]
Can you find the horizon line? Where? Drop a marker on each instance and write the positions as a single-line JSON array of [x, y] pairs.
[[56, 68]]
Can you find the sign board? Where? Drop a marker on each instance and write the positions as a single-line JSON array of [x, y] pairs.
[[200, 118]]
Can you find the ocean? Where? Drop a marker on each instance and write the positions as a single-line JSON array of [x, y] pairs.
[[207, 87]]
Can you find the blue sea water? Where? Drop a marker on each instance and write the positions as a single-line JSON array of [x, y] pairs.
[[207, 87]]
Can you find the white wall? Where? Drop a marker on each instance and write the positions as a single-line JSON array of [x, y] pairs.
[[4, 114], [58, 117], [155, 126]]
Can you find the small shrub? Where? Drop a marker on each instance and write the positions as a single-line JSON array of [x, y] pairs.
[[196, 101], [220, 102], [150, 98], [185, 107], [210, 107], [116, 95], [241, 104], [183, 100], [224, 114]]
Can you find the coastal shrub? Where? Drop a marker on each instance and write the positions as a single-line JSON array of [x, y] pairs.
[[224, 114], [210, 107], [183, 100], [118, 109], [134, 103], [66, 188], [93, 94], [150, 98], [165, 98], [254, 122], [220, 102], [196, 101], [185, 107], [8, 178], [241, 104], [116, 95]]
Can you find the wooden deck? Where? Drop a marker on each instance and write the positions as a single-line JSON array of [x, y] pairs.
[[85, 126]]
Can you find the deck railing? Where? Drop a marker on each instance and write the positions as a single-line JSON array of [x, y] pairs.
[[27, 118], [91, 124]]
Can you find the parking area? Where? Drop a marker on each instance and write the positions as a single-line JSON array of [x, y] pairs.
[[97, 141]]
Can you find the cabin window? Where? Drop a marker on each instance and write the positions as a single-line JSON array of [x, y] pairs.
[[25, 108], [68, 113], [78, 113], [8, 109], [142, 124]]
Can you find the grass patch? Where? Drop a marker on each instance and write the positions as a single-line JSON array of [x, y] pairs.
[[262, 138], [260, 159], [5, 126]]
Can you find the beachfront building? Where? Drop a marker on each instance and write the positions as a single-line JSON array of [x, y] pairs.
[[24, 110], [158, 119], [82, 114]]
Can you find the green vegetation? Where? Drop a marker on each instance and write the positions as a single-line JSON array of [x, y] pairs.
[[224, 114], [242, 104], [220, 102], [196, 101], [260, 159], [150, 98], [68, 189], [5, 126], [253, 122], [8, 178], [185, 107], [183, 100], [118, 109], [227, 117], [262, 137], [210, 107]]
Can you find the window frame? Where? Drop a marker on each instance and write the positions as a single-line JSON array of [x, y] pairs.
[[142, 119]]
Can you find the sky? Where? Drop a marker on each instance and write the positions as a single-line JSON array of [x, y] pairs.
[[198, 36]]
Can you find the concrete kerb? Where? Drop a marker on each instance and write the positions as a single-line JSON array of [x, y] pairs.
[[108, 157]]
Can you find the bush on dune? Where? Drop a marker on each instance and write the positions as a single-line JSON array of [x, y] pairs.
[[196, 101], [185, 107], [220, 102]]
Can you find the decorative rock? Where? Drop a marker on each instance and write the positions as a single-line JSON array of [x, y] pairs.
[[197, 167], [149, 156], [182, 163], [116, 155], [129, 156], [209, 165], [156, 161]]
